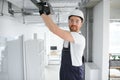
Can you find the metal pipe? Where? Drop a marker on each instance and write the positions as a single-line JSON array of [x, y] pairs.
[[2, 7]]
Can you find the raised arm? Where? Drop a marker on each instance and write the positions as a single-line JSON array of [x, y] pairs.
[[45, 9], [66, 35]]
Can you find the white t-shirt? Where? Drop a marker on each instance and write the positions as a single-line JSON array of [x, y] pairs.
[[77, 48]]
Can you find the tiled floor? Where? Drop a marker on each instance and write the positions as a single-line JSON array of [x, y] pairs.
[[52, 72]]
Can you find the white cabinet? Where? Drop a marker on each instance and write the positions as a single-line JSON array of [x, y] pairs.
[[34, 50], [12, 63], [91, 71], [23, 60]]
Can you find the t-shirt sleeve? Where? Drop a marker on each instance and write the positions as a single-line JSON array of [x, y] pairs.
[[77, 48], [78, 39]]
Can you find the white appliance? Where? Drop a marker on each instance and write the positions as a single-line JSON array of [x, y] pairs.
[[23, 60]]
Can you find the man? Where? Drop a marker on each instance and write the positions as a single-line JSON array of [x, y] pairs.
[[74, 42]]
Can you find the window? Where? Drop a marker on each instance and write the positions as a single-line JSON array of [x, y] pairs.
[[114, 42], [114, 50]]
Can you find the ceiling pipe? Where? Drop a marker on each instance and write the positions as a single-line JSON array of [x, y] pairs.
[[23, 10], [10, 10], [2, 8]]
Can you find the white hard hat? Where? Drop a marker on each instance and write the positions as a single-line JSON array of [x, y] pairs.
[[77, 12]]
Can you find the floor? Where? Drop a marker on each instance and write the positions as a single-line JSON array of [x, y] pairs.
[[52, 72]]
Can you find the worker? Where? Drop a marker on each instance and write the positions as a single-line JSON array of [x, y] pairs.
[[74, 42]]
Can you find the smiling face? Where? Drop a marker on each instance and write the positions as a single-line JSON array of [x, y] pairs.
[[75, 23]]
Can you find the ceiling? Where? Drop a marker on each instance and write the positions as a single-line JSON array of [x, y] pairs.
[[27, 4], [60, 7]]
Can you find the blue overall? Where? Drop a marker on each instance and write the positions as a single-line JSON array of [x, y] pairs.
[[67, 71]]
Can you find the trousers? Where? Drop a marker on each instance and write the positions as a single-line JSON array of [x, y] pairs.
[[67, 71]]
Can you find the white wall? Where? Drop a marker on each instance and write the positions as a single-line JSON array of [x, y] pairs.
[[114, 13], [101, 38], [10, 27]]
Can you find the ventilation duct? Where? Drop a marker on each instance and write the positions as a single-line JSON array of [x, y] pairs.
[[90, 3]]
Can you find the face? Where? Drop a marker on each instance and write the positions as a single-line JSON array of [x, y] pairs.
[[75, 24]]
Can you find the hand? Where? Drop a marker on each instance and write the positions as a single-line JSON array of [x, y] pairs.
[[44, 8]]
